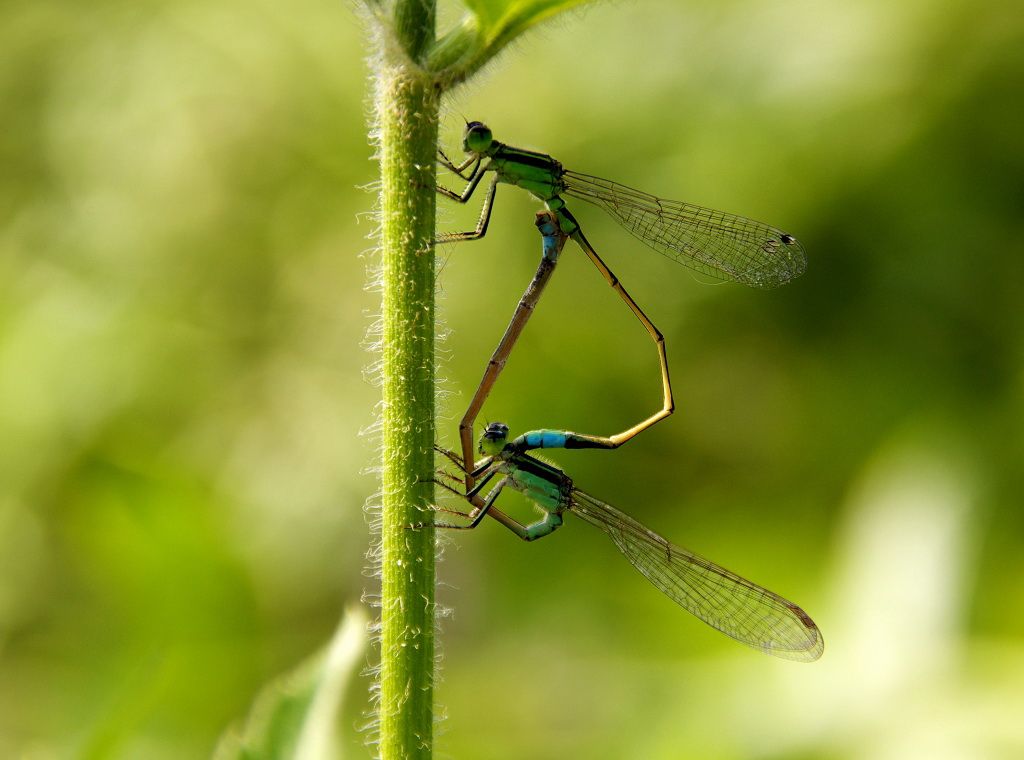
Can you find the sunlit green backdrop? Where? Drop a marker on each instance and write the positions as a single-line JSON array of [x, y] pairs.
[[187, 398]]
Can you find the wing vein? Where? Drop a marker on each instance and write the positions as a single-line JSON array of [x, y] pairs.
[[739, 608], [721, 245]]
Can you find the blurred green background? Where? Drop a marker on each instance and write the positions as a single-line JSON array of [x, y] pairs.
[[186, 440]]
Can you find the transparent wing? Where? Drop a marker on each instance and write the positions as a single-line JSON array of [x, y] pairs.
[[733, 605], [711, 242]]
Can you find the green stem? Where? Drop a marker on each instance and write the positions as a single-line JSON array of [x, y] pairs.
[[407, 108]]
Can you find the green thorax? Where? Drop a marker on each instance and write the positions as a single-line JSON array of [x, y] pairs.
[[546, 486], [537, 173]]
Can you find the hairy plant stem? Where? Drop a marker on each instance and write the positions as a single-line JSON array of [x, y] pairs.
[[407, 108]]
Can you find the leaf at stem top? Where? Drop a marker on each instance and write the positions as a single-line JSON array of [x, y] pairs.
[[521, 14], [492, 25]]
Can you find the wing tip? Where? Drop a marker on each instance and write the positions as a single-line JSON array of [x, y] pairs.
[[814, 644], [812, 653], [789, 261]]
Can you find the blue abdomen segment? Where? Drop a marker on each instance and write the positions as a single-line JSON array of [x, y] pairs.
[[556, 439], [544, 439], [552, 240]]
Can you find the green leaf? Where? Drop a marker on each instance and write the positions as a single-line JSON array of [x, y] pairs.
[[295, 716], [490, 27], [504, 15]]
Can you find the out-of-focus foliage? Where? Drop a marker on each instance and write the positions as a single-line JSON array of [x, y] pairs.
[[183, 306], [295, 717]]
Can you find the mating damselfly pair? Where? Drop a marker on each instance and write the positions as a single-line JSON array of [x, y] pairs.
[[710, 242]]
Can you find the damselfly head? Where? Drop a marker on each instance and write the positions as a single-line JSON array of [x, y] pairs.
[[478, 138], [493, 439]]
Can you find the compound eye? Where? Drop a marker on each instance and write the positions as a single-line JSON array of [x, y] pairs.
[[496, 430], [493, 439], [478, 137]]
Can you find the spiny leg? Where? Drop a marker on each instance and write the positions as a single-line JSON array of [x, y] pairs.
[[472, 181], [478, 503], [485, 210], [531, 532], [458, 170], [478, 513], [475, 515]]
